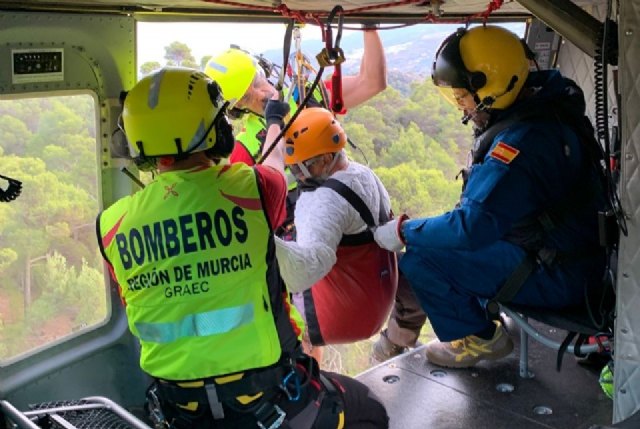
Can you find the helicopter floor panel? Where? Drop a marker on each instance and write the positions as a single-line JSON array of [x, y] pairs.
[[419, 395]]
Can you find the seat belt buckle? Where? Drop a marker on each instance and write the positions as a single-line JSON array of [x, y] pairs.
[[291, 385], [270, 416]]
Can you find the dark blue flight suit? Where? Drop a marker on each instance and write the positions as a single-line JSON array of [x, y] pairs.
[[455, 262]]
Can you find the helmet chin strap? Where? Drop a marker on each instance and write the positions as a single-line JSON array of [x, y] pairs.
[[481, 107], [333, 163]]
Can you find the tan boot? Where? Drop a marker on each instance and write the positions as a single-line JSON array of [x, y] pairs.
[[384, 349], [470, 350]]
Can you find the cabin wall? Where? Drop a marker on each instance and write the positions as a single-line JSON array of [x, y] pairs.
[[99, 57], [627, 358], [579, 66]]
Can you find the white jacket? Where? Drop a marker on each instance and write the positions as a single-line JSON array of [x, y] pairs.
[[321, 217]]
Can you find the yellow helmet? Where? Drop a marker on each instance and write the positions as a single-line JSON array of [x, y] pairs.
[[488, 61], [314, 132], [234, 70], [174, 111]]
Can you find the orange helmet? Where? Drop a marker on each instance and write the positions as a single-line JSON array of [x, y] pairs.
[[314, 132]]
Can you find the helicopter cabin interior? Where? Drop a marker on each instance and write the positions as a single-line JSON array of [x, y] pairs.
[[89, 377]]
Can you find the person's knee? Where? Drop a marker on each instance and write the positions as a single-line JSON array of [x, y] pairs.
[[362, 408], [377, 412]]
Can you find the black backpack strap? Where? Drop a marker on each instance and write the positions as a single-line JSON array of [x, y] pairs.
[[356, 202], [352, 198], [512, 286]]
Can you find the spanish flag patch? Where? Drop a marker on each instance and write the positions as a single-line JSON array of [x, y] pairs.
[[504, 153]]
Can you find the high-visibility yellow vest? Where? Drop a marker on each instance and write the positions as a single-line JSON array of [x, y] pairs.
[[254, 132], [193, 254], [253, 126]]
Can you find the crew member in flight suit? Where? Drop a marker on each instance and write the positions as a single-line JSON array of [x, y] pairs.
[[528, 212]]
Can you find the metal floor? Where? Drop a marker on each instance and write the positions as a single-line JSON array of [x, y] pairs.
[[492, 395]]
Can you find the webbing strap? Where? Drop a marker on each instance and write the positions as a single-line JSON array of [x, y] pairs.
[[563, 348], [313, 325], [332, 406], [356, 202], [286, 48], [352, 198], [250, 384], [214, 402], [511, 287]]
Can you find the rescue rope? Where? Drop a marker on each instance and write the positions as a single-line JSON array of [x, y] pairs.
[[293, 118], [301, 71], [332, 54]]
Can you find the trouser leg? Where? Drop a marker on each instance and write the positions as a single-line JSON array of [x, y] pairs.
[[407, 316], [453, 285], [362, 408]]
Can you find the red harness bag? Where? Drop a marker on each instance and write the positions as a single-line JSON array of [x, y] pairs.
[[353, 301]]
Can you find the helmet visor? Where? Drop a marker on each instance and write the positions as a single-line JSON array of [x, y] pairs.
[[448, 68], [458, 97]]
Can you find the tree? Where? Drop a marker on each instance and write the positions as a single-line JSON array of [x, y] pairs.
[[417, 191], [14, 135], [179, 54], [51, 149], [54, 126], [77, 295], [382, 135], [149, 67], [365, 150]]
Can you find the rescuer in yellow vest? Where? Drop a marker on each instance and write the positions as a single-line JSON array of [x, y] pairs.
[[245, 85], [193, 253]]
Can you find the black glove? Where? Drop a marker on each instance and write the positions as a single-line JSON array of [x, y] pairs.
[[275, 111]]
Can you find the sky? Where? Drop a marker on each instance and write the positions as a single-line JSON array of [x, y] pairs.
[[211, 38]]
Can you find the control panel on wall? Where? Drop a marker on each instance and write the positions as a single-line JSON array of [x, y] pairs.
[[37, 65]]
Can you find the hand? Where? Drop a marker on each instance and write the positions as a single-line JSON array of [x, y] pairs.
[[389, 235], [369, 26], [275, 111]]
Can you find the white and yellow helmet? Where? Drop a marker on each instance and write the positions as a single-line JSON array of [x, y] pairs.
[[173, 111], [234, 70]]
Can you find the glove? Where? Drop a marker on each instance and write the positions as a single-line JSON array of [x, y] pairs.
[[275, 111], [389, 235]]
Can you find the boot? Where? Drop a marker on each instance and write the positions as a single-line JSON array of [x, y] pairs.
[[384, 349], [468, 351]]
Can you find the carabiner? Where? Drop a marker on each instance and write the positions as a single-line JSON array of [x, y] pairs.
[[293, 377]]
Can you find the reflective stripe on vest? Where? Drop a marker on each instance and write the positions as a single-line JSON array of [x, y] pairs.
[[190, 254], [196, 325]]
